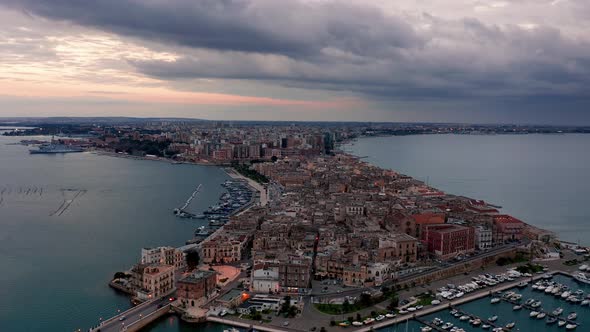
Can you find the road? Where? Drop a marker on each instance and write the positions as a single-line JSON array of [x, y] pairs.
[[325, 297], [132, 315]]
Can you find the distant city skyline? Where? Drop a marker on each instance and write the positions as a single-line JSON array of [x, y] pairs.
[[466, 61]]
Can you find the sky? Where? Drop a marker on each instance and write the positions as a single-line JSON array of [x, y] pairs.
[[512, 61]]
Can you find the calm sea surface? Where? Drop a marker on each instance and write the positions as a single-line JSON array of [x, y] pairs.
[[56, 259], [542, 179]]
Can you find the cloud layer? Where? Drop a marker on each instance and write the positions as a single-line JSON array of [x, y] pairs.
[[463, 50]]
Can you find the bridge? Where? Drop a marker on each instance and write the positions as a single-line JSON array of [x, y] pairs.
[[135, 318]]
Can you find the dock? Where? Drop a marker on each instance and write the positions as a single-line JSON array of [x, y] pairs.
[[548, 314], [483, 321], [429, 324], [182, 210]]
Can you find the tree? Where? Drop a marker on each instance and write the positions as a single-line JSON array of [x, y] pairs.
[[120, 275], [293, 311], [286, 304], [192, 259], [332, 322], [346, 306], [358, 317], [323, 329], [393, 303], [365, 299]]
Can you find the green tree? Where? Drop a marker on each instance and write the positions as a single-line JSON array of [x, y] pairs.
[[192, 259], [346, 306], [365, 300], [293, 311], [120, 275], [393, 303], [286, 304]]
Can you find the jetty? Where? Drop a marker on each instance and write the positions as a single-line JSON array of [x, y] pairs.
[[429, 324], [484, 321], [181, 211], [540, 310]]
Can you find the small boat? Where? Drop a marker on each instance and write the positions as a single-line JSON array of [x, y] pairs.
[[494, 300], [447, 325], [493, 319], [233, 329], [533, 314], [355, 323], [344, 324], [551, 320], [426, 329], [368, 321], [476, 322], [389, 315], [541, 315], [522, 284], [572, 316], [517, 307], [510, 325], [571, 327], [585, 302], [464, 318], [557, 311], [561, 323], [379, 318], [536, 304], [486, 326]]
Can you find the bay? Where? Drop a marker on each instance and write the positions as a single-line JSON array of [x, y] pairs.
[[56, 262], [542, 179]]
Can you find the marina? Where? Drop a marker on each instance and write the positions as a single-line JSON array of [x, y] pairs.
[[481, 314], [238, 196]]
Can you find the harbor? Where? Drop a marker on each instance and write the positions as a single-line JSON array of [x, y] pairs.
[[237, 197], [506, 308]]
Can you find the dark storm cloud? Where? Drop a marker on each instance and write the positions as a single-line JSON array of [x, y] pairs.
[[340, 45], [279, 27]]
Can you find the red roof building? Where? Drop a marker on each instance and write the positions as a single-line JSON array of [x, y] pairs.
[[507, 228], [448, 240], [423, 219]]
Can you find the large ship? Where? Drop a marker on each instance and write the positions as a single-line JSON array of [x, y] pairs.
[[56, 148]]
